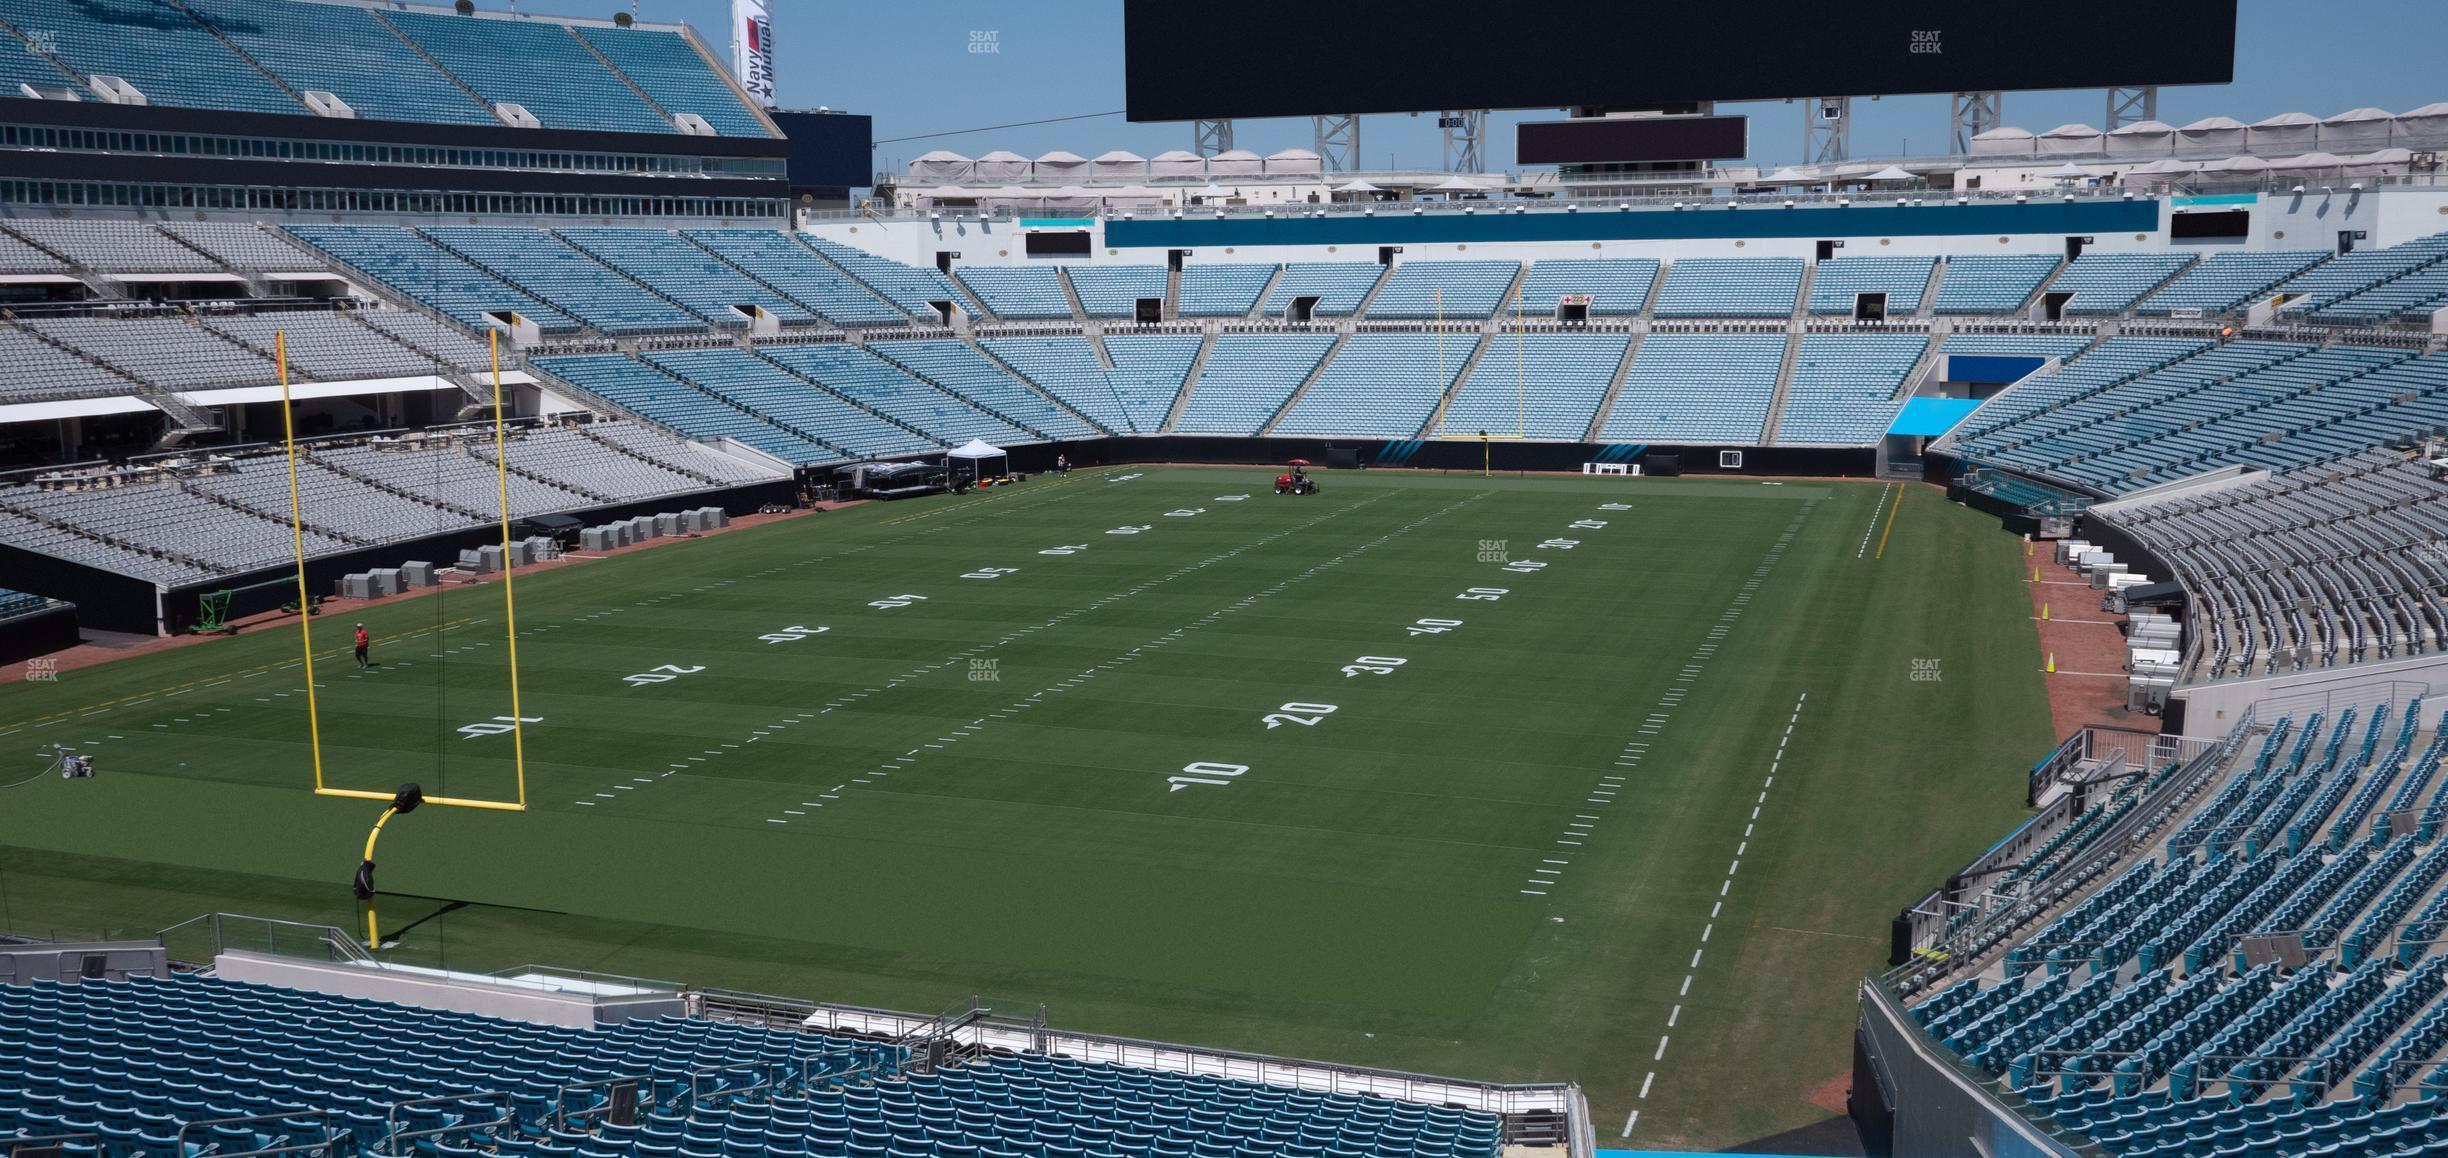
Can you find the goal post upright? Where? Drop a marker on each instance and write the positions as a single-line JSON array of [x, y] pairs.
[[501, 474], [297, 536]]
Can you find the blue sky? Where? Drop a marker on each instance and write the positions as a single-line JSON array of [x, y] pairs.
[[909, 65]]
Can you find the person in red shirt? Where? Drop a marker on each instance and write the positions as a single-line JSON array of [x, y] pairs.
[[362, 641]]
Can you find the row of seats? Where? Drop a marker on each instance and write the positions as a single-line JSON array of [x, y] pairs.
[[130, 1065], [400, 64], [235, 516], [2132, 1015]]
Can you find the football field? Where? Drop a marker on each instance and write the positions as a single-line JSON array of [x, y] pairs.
[[1608, 780]]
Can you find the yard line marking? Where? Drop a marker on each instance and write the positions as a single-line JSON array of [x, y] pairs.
[[1645, 1085], [1671, 1016], [1627, 1131], [1660, 1055]]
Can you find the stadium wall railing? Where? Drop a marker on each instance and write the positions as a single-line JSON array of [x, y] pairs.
[[1919, 1098]]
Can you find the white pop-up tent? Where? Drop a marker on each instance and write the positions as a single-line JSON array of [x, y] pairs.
[[969, 461]]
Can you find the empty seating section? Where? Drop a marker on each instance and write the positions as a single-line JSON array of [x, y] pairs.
[[154, 46], [576, 462], [2228, 280], [191, 1050], [1544, 386], [418, 268], [764, 388], [16, 603], [330, 347], [2110, 283], [1730, 287], [1222, 291], [18, 257], [957, 367], [170, 353], [1338, 286], [1379, 386], [1841, 280], [1616, 285], [1131, 398], [686, 274], [2350, 274], [1148, 373], [2061, 346], [1991, 283], [2412, 297], [2274, 405], [2328, 565], [1018, 291], [672, 74], [329, 502], [1847, 388], [1697, 388], [33, 370], [19, 64], [660, 397], [453, 478], [1068, 370], [164, 519], [1246, 379], [880, 386], [138, 1061], [114, 246], [910, 287], [60, 542], [1113, 291], [687, 458], [346, 52], [536, 64], [2130, 1017], [242, 246], [574, 283], [2113, 360], [426, 335], [1448, 289], [771, 257]]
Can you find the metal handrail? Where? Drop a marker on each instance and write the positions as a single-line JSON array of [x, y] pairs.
[[392, 1135], [331, 1133]]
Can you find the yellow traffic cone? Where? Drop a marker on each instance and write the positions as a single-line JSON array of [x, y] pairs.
[[2027, 546], [2035, 573], [2052, 667], [2044, 611]]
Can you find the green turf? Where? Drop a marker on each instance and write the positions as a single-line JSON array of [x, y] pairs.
[[969, 794]]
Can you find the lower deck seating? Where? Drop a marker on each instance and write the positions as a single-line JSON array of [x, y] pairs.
[[1247, 379], [1697, 388], [131, 1064], [1847, 388], [1540, 386]]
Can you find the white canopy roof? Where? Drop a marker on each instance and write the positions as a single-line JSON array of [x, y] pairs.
[[1060, 157], [1790, 173], [941, 155], [2236, 165], [1458, 185], [1001, 155], [976, 448], [2004, 133], [1113, 155], [2284, 119], [1176, 155], [2382, 157], [2071, 130], [2165, 165], [2206, 124], [1892, 173], [2309, 161], [2141, 128], [2357, 116], [2069, 169], [1357, 186]]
